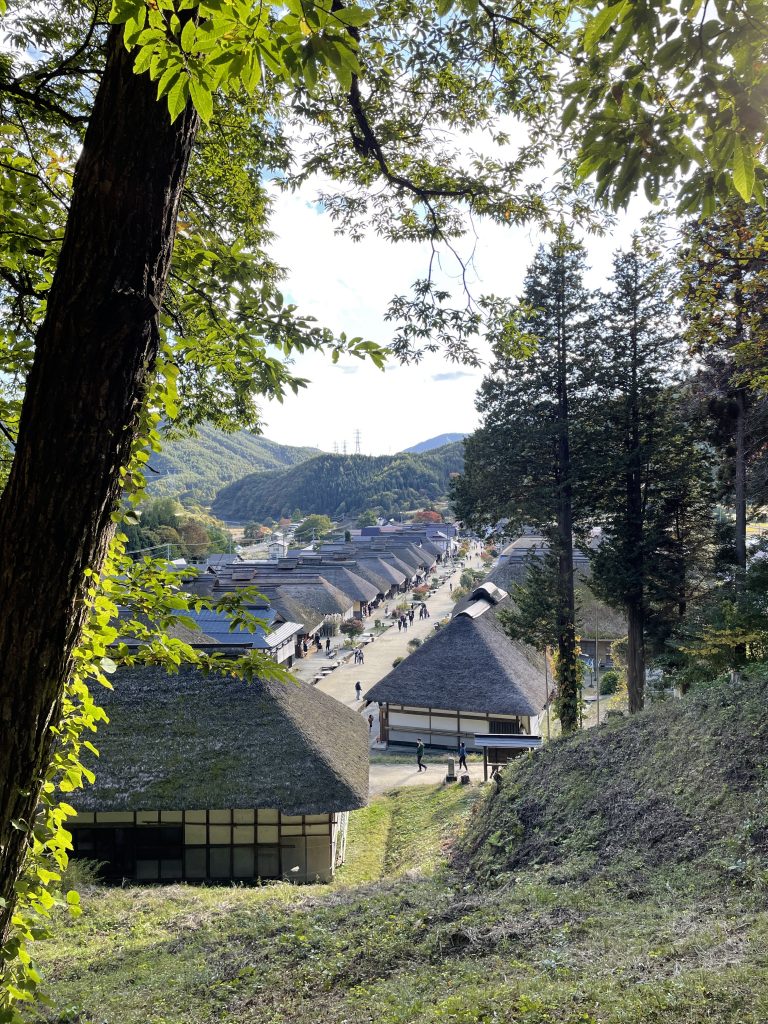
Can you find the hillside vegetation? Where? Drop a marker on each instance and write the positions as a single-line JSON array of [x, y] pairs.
[[338, 485], [196, 468], [618, 877]]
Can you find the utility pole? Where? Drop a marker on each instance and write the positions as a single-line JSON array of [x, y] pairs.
[[357, 441], [546, 690]]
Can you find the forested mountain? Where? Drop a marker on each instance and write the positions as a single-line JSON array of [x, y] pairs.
[[198, 467], [435, 442], [337, 485]]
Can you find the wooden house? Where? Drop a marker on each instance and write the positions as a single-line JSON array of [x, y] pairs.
[[468, 680], [211, 778]]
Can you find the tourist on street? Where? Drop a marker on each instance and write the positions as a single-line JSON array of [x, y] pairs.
[[463, 756], [359, 690], [420, 755], [370, 723], [327, 643], [399, 624], [361, 656]]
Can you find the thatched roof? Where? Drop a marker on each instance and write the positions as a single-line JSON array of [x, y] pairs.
[[307, 601], [191, 741], [387, 568], [349, 582], [469, 665]]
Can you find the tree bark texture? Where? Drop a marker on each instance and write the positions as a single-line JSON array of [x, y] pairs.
[[635, 531], [568, 683], [94, 354], [740, 481]]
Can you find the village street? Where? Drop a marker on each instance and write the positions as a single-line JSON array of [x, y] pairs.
[[398, 767]]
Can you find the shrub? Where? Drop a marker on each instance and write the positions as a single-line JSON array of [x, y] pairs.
[[416, 642], [396, 662], [352, 627], [609, 683], [421, 591]]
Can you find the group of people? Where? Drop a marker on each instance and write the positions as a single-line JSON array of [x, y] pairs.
[[406, 620], [420, 755], [423, 612], [359, 656]]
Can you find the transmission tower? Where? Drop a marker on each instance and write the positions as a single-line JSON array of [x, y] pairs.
[[335, 447], [357, 441], [345, 447]]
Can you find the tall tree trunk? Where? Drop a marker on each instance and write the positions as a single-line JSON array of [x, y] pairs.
[[740, 482], [635, 533], [568, 681], [94, 354], [636, 655]]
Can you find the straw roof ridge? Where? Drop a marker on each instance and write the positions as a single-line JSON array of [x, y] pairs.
[[191, 741]]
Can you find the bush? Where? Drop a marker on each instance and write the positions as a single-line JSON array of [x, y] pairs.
[[352, 627], [413, 644], [609, 683], [420, 592], [396, 662]]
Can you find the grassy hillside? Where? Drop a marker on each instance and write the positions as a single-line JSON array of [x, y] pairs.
[[617, 878], [337, 485], [196, 468]]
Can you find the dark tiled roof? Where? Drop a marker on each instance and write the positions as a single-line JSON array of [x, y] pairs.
[[191, 741]]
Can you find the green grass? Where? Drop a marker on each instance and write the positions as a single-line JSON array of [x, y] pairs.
[[585, 891]]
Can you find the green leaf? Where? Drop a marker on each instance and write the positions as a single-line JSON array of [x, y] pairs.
[[743, 170], [177, 97], [202, 99], [597, 27]]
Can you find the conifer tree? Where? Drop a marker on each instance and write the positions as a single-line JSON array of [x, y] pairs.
[[632, 437], [518, 466]]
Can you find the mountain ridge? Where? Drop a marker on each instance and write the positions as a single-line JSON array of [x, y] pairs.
[[196, 468], [339, 485], [432, 443]]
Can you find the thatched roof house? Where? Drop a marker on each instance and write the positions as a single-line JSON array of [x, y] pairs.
[[269, 769], [469, 678]]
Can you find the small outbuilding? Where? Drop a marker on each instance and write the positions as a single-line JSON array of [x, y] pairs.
[[212, 778]]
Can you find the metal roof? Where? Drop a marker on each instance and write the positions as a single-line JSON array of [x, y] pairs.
[[507, 742]]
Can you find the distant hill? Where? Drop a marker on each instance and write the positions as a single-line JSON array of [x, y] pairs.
[[339, 485], [435, 442], [196, 468]]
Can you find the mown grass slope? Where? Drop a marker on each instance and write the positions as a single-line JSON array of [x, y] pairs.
[[617, 878]]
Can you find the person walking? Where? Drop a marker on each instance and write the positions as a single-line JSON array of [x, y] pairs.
[[359, 690], [361, 657], [463, 756], [328, 644], [399, 624], [420, 755], [370, 724]]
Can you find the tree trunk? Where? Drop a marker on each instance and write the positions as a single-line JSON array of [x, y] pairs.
[[635, 529], [740, 483], [94, 354], [635, 656], [568, 681]]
